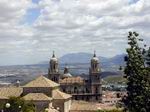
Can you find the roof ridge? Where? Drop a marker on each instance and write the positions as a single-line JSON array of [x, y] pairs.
[[61, 94], [38, 96], [41, 81], [48, 80]]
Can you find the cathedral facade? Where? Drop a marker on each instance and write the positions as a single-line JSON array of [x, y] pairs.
[[88, 89]]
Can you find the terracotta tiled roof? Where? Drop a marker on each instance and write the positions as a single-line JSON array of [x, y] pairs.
[[41, 82], [7, 92], [60, 95], [3, 97], [37, 97], [72, 80], [81, 106]]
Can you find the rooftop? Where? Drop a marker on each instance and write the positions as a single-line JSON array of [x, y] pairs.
[[37, 97], [72, 80], [82, 106], [60, 95], [41, 81], [7, 92]]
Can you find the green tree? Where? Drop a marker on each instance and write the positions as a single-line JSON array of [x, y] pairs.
[[18, 104], [138, 85], [113, 110], [148, 57], [28, 107]]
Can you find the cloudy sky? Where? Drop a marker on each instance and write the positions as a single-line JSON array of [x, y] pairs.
[[31, 29]]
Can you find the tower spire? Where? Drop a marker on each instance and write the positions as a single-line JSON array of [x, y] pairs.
[[53, 71], [53, 54], [94, 54]]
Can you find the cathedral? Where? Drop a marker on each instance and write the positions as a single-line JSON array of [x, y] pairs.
[[56, 92], [88, 89]]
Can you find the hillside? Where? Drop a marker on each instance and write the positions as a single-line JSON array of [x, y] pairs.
[[118, 79], [82, 60], [78, 64]]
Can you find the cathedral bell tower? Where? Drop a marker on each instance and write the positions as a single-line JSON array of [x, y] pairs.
[[95, 78], [95, 64], [53, 71]]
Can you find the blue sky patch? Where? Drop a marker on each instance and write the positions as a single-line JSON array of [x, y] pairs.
[[133, 1], [32, 14], [35, 1]]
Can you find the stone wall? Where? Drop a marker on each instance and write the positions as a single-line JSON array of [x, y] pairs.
[[58, 103], [75, 89], [45, 90], [64, 105], [67, 105], [41, 105]]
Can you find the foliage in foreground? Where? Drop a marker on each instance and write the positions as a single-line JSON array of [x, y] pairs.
[[17, 104], [114, 110], [138, 75]]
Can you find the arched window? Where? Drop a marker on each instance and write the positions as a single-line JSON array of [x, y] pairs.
[[75, 90], [64, 90], [83, 91], [87, 91], [96, 89], [54, 79], [96, 98], [92, 67], [82, 97], [54, 67], [76, 98], [87, 98]]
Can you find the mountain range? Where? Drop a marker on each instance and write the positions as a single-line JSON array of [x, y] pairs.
[[82, 60], [78, 64]]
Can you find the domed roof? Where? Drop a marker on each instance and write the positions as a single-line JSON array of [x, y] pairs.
[[94, 58], [54, 58], [66, 73]]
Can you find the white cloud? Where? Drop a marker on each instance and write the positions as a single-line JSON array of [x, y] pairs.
[[71, 26]]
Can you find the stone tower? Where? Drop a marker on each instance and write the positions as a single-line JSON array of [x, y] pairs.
[[95, 79], [53, 71]]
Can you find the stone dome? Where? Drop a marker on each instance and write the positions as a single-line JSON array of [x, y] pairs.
[[95, 59], [67, 75], [54, 58]]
